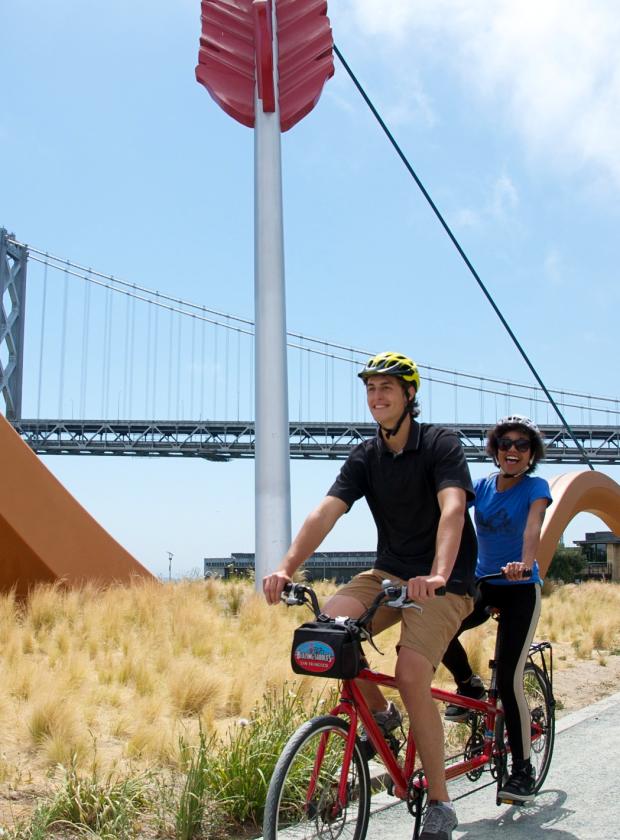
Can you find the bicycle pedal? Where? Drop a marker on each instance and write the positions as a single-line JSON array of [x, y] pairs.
[[504, 800]]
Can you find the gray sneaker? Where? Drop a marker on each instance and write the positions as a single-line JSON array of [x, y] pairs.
[[387, 721], [439, 823]]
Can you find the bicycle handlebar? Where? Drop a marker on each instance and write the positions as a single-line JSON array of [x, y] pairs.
[[298, 594], [393, 594], [527, 573]]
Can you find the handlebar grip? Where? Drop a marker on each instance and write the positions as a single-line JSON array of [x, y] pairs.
[[441, 590], [527, 573]]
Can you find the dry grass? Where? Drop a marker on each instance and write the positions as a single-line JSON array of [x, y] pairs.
[[128, 672], [132, 669]]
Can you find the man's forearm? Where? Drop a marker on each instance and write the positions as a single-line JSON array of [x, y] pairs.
[[449, 533], [312, 533], [452, 506], [306, 542]]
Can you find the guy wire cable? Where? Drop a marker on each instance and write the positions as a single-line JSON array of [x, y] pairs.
[[458, 247]]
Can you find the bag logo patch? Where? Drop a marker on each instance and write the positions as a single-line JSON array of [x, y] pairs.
[[315, 657]]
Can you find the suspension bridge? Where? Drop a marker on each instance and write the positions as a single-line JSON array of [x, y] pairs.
[[97, 365]]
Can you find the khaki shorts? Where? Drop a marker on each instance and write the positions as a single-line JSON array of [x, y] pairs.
[[428, 633]]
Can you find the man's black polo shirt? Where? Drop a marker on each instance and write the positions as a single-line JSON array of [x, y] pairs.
[[401, 491]]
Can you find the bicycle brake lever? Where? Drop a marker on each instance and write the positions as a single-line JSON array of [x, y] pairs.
[[367, 637], [292, 600], [403, 603]]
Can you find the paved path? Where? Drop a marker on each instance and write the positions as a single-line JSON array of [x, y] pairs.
[[580, 799]]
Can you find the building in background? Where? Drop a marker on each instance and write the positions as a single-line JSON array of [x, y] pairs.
[[340, 566], [601, 552]]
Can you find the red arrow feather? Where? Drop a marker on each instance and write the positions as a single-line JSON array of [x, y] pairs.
[[235, 50]]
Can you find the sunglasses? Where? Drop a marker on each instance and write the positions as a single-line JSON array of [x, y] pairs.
[[505, 444]]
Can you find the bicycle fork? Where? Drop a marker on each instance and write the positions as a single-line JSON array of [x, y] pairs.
[[353, 705], [342, 798]]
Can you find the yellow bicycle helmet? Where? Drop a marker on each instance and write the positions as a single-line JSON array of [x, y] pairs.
[[392, 364]]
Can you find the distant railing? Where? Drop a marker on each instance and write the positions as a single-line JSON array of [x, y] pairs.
[[598, 570]]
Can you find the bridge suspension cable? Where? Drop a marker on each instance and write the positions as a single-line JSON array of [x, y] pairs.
[[310, 344]]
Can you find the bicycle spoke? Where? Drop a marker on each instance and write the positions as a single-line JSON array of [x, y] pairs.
[[303, 802]]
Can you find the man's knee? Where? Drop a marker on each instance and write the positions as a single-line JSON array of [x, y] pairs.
[[340, 604], [413, 670]]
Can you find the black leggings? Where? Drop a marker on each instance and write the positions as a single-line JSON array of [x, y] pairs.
[[519, 607]]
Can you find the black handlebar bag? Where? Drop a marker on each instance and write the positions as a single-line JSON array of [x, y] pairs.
[[327, 649]]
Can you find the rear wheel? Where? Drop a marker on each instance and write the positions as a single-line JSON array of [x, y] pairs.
[[542, 723], [542, 714], [302, 800]]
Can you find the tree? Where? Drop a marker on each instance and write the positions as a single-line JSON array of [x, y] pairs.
[[567, 564]]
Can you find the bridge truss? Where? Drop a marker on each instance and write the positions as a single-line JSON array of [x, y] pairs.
[[223, 441]]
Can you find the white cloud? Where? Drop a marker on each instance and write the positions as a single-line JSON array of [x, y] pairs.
[[553, 267], [464, 218], [412, 105], [552, 67], [339, 101], [502, 199]]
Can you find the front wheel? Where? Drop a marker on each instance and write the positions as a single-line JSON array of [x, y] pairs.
[[302, 800]]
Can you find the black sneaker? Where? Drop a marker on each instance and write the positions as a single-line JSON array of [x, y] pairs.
[[520, 785], [387, 721], [474, 689]]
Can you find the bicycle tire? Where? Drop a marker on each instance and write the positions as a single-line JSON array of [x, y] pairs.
[[542, 712], [288, 814], [542, 716]]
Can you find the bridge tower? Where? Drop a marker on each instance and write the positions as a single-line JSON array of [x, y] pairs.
[[13, 260]]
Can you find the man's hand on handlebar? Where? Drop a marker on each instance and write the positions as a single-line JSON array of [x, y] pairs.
[[273, 585], [423, 587]]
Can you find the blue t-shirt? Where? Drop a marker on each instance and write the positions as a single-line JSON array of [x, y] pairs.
[[500, 523]]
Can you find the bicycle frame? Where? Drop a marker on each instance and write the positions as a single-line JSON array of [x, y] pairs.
[[353, 705], [409, 784]]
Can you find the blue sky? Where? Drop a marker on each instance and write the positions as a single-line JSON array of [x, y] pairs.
[[115, 157]]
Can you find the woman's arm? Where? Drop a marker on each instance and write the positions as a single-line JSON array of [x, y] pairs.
[[533, 527], [531, 539]]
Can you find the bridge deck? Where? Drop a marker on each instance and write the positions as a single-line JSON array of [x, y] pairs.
[[222, 441]]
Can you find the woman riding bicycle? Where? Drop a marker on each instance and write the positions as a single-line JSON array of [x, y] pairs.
[[509, 511]]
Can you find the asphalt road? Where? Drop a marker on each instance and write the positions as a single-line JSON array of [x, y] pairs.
[[580, 799]]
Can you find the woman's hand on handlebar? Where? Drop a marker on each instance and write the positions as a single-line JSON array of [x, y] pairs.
[[273, 585], [515, 571], [423, 587]]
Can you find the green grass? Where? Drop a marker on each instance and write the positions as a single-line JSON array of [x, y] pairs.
[[108, 809], [239, 771], [194, 794], [218, 790]]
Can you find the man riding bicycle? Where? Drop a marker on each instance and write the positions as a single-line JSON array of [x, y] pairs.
[[416, 482]]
